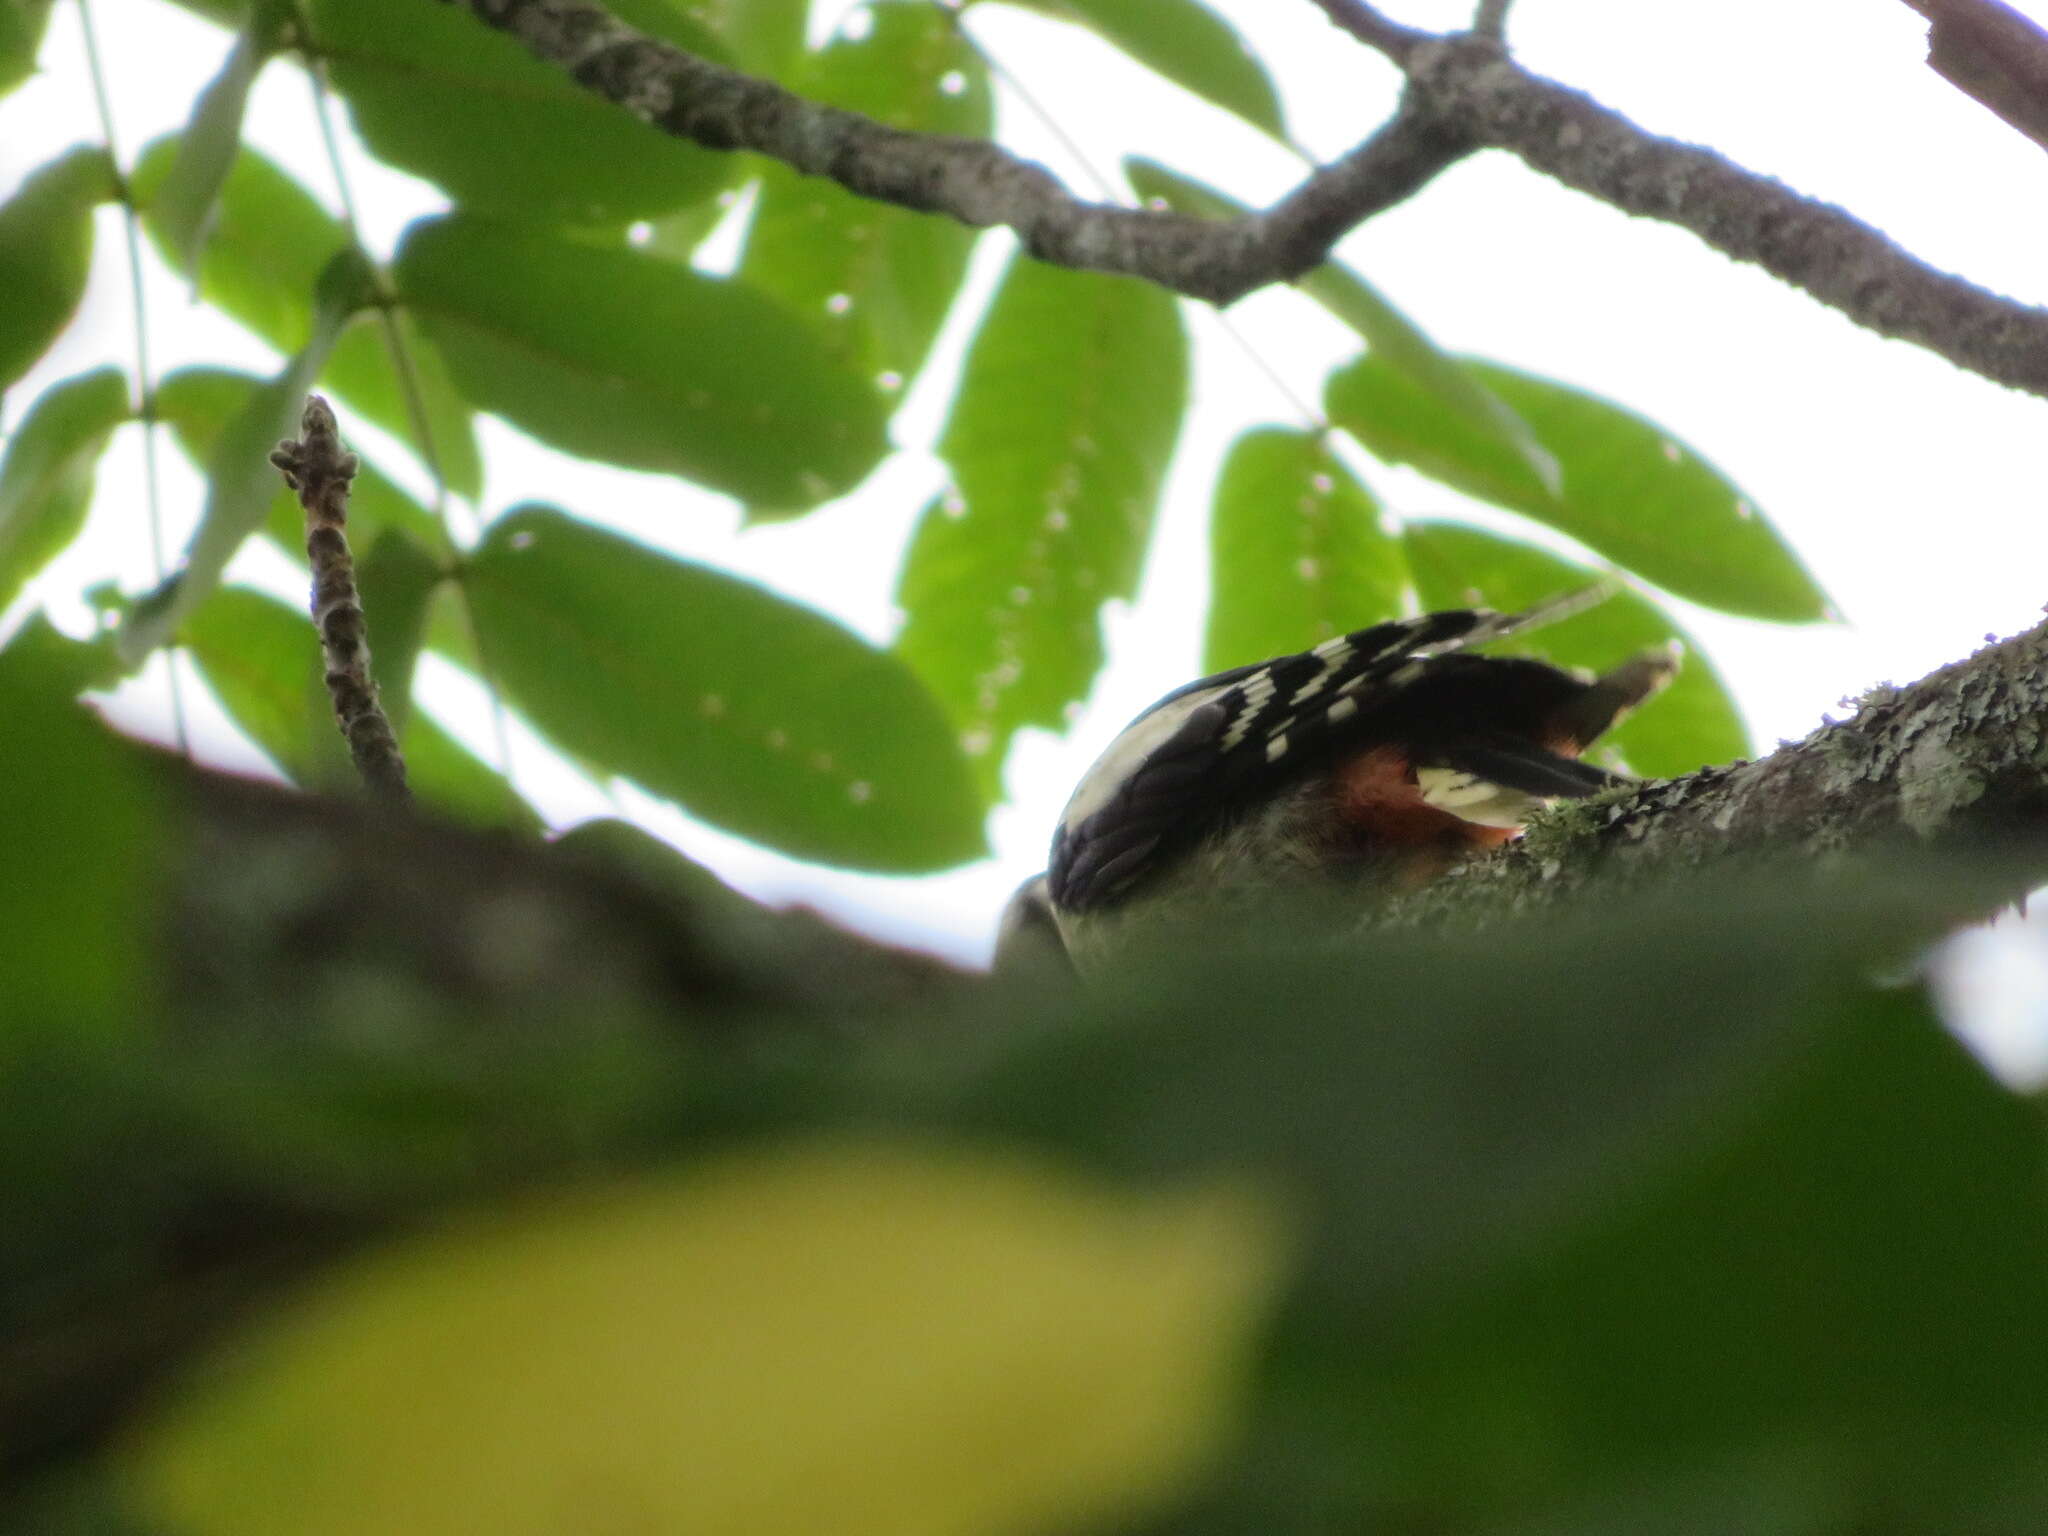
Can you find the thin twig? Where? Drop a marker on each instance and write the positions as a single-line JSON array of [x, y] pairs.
[[319, 468], [1373, 29], [1491, 19]]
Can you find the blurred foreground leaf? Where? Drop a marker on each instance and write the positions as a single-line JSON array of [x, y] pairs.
[[854, 1337]]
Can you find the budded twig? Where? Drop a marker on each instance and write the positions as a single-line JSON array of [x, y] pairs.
[[320, 469]]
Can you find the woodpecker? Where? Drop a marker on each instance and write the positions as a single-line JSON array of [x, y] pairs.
[[1375, 758]]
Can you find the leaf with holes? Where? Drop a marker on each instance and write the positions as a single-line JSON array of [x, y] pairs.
[[46, 253], [757, 714], [1069, 405], [1629, 490], [653, 366], [1187, 43], [435, 92], [1692, 722], [46, 478], [876, 281], [270, 240], [1297, 551]]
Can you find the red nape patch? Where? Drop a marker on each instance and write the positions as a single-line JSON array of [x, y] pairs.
[[1378, 797]]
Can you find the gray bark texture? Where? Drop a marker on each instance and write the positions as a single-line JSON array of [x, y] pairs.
[[1464, 93]]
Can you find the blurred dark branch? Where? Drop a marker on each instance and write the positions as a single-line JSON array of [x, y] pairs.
[[1990, 51]]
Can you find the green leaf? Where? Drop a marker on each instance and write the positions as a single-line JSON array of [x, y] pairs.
[[1394, 338], [1631, 491], [435, 92], [46, 252], [43, 657], [397, 581], [262, 660], [1069, 405], [766, 36], [231, 14], [21, 38], [993, 1345], [384, 367], [198, 403], [757, 714], [269, 243], [82, 844], [1692, 722], [1297, 551], [241, 480], [1850, 1262], [654, 367], [875, 280], [1188, 44], [185, 202], [446, 775], [46, 478], [1398, 341]]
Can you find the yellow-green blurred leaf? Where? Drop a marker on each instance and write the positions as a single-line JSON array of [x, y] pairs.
[[865, 1339]]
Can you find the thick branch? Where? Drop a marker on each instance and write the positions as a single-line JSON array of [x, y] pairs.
[[1959, 758], [1464, 92], [975, 182]]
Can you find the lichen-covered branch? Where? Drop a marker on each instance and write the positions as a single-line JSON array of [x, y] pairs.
[[320, 469], [1958, 759]]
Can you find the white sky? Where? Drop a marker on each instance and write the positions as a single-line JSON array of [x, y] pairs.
[[1913, 490]]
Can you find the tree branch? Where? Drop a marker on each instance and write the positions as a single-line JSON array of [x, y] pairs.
[[1464, 93], [978, 183], [1470, 84], [1991, 52], [320, 469]]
